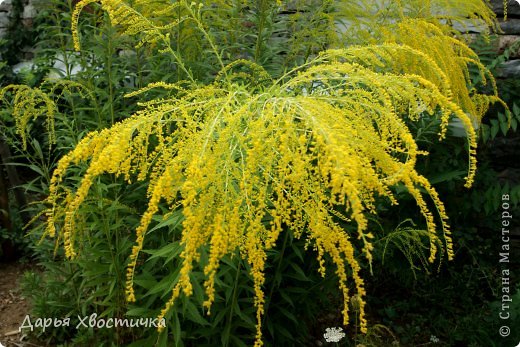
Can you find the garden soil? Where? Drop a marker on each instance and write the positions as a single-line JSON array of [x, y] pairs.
[[13, 307]]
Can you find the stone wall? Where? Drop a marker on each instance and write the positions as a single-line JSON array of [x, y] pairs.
[[26, 10], [510, 34], [511, 27], [6, 8]]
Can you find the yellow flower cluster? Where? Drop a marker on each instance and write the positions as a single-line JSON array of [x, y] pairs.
[[247, 161], [367, 20], [29, 103], [313, 149], [440, 63], [144, 18]]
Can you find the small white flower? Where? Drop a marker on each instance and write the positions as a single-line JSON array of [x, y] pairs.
[[334, 334], [434, 339]]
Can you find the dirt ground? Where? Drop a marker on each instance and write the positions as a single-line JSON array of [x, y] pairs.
[[13, 307]]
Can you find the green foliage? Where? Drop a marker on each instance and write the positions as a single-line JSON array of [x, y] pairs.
[[17, 37], [502, 124], [486, 48], [13, 239], [411, 243], [258, 42], [459, 303], [92, 283]]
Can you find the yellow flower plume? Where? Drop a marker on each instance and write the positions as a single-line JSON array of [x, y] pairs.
[[302, 153]]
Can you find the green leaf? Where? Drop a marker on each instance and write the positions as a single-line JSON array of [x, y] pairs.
[[504, 126], [139, 311], [38, 149], [297, 251], [162, 341], [169, 251], [516, 109], [193, 314], [287, 314], [301, 274], [150, 341], [198, 291], [485, 133], [177, 332], [166, 284], [505, 188], [174, 221], [237, 342], [145, 283], [286, 297], [37, 170], [494, 129], [222, 313], [447, 176]]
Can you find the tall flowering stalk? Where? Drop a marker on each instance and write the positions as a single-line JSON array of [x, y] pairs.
[[248, 157]]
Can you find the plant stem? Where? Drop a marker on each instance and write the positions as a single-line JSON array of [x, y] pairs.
[[178, 43], [278, 267], [233, 303], [109, 73], [261, 23]]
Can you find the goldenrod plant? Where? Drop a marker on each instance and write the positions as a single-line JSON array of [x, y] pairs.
[[247, 150]]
